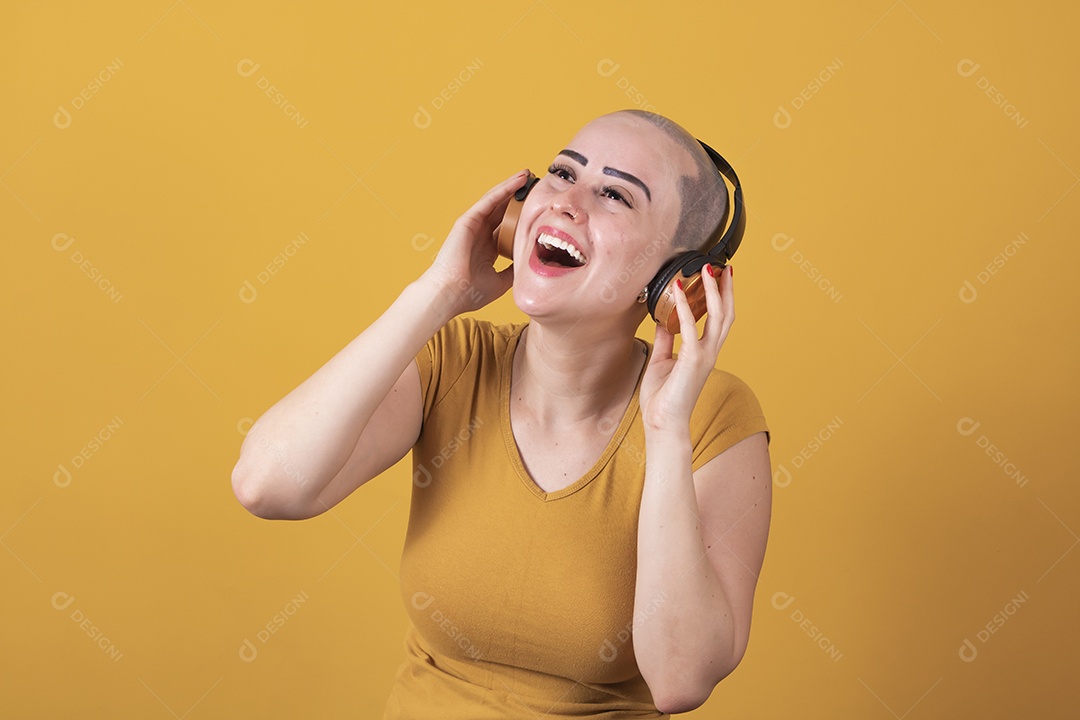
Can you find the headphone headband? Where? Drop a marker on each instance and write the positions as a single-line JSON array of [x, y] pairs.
[[732, 237], [660, 293]]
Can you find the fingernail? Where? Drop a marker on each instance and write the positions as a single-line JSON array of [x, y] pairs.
[[731, 271], [679, 283], [708, 269]]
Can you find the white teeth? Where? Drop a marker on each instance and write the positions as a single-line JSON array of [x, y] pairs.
[[554, 242]]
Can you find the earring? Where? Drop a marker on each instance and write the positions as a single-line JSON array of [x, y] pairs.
[[643, 295]]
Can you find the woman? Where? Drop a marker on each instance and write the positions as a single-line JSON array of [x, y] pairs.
[[590, 512]]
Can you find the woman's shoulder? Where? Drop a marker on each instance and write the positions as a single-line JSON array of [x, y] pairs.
[[467, 349], [725, 389], [720, 385], [728, 380], [465, 341], [472, 331], [726, 412], [473, 325]]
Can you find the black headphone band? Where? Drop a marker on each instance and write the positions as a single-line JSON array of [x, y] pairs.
[[729, 241], [691, 261]]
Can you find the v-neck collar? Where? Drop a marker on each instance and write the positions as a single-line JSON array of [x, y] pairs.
[[511, 444]]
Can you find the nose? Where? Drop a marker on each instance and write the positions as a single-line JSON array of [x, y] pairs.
[[570, 202]]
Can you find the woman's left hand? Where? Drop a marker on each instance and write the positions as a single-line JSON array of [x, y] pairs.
[[672, 384]]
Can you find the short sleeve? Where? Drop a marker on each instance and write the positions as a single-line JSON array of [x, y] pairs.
[[444, 358], [727, 411]]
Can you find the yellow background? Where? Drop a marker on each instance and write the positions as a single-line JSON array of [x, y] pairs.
[[863, 136]]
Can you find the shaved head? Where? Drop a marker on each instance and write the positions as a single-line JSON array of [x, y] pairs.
[[703, 197]]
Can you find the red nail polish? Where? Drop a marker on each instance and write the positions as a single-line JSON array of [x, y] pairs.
[[679, 283], [708, 269], [731, 270]]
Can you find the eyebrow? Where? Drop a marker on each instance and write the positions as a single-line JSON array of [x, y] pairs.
[[609, 171]]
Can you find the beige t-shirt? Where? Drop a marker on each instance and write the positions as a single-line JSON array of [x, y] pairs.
[[522, 601]]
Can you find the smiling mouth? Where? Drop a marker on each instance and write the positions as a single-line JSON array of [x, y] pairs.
[[553, 251]]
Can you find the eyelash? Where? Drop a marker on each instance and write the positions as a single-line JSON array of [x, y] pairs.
[[556, 168]]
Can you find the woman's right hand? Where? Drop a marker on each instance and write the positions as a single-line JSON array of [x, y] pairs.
[[464, 269]]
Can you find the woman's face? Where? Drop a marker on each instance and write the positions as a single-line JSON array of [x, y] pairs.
[[598, 225]]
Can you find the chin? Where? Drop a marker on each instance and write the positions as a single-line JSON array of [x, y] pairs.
[[536, 304]]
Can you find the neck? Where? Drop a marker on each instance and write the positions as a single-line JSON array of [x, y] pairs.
[[573, 374]]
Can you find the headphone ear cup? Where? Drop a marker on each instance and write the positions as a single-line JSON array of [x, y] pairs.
[[508, 226], [662, 305]]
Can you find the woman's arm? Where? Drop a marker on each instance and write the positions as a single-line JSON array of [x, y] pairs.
[[701, 544], [701, 535], [293, 453], [314, 446]]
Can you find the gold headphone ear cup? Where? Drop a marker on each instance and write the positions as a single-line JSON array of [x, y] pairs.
[[667, 313], [508, 227]]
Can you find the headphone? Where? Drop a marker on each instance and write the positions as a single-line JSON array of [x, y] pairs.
[[660, 292]]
